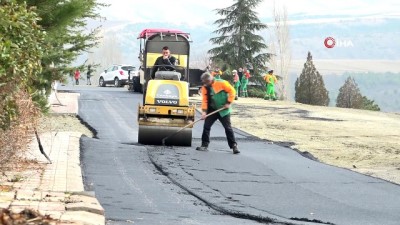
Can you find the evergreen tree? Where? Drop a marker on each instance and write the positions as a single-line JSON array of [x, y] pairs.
[[309, 87], [349, 95], [237, 44], [370, 104]]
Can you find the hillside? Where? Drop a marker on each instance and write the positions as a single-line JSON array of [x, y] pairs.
[[370, 38], [363, 141]]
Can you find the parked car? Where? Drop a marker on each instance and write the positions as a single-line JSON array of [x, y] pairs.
[[116, 75]]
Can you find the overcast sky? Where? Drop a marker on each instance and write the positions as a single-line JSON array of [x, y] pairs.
[[200, 12]]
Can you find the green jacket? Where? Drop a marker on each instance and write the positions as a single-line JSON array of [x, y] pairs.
[[244, 80], [221, 92]]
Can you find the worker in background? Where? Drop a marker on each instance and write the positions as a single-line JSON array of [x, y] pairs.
[[71, 74], [244, 81], [217, 73], [236, 82], [217, 94], [166, 62], [270, 80], [88, 75], [77, 75], [240, 73]]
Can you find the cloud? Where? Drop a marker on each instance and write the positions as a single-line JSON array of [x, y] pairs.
[[197, 13], [337, 7]]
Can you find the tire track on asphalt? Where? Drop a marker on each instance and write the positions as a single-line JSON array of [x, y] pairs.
[[218, 207]]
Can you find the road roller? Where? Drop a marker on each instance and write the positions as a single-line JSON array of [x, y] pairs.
[[166, 108]]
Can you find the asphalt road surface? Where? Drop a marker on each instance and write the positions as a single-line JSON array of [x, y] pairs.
[[266, 183]]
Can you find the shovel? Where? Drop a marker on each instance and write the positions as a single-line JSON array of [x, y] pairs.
[[190, 124]]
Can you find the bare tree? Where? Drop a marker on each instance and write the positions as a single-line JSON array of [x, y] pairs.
[[200, 61], [280, 49], [107, 53]]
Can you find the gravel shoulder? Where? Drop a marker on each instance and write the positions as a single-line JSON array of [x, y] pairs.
[[363, 141], [65, 122]]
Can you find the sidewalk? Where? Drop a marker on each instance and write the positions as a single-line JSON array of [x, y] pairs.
[[54, 189], [69, 103]]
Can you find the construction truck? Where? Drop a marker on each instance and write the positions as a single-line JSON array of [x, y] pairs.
[[166, 108]]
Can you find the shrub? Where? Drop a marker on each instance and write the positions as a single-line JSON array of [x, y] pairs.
[[256, 91], [21, 50]]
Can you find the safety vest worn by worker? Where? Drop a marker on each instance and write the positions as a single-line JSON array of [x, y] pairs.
[[221, 92], [270, 79]]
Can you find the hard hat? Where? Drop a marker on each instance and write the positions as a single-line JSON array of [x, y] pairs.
[[234, 71]]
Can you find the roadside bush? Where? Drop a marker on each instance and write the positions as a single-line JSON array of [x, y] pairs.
[[256, 91], [21, 50]]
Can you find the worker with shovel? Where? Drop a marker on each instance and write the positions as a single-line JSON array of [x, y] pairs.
[[217, 95]]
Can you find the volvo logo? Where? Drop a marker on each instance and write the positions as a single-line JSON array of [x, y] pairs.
[[166, 102]]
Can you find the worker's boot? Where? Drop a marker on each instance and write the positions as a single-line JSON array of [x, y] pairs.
[[203, 148], [235, 149]]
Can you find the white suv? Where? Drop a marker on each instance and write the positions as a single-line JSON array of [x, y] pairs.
[[116, 74]]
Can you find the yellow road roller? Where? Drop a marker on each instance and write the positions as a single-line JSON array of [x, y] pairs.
[[166, 108]]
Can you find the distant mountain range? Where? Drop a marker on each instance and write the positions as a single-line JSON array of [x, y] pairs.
[[355, 39]]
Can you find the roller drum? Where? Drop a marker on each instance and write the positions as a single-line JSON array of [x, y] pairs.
[[153, 135]]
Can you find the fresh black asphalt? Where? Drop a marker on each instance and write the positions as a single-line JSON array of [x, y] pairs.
[[266, 182]]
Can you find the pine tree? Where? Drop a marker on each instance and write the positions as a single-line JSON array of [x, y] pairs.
[[309, 87], [237, 43], [349, 95], [370, 104]]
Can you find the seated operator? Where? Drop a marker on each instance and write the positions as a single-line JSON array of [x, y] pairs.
[[166, 62]]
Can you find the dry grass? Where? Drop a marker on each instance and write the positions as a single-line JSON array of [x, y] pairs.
[[360, 140], [14, 141], [59, 123]]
